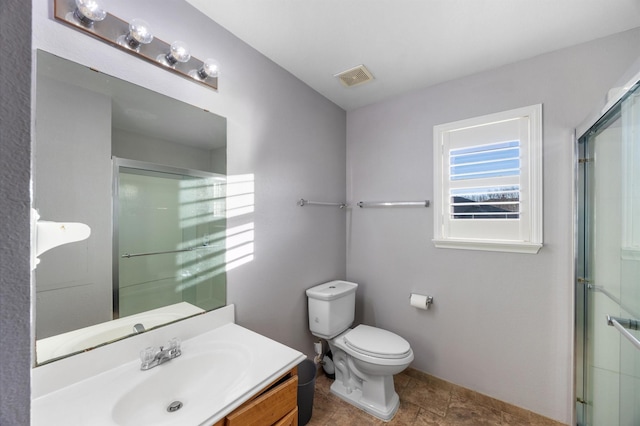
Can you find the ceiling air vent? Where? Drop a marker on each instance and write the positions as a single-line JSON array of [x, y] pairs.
[[355, 76]]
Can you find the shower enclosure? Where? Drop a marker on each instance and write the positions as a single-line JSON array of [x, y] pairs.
[[608, 267], [169, 238]]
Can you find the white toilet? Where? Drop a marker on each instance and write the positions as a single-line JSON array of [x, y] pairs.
[[365, 358]]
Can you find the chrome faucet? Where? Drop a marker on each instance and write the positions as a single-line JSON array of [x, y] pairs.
[[152, 357]]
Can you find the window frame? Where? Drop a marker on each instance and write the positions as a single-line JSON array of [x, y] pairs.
[[528, 237]]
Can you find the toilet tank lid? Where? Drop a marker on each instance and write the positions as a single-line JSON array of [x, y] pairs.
[[331, 290]]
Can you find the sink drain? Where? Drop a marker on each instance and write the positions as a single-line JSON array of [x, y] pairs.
[[174, 406]]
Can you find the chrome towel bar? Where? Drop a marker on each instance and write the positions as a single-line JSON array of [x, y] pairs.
[[424, 203], [127, 255], [622, 324], [302, 202]]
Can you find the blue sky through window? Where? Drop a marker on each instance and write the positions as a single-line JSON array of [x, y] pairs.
[[495, 160], [484, 161]]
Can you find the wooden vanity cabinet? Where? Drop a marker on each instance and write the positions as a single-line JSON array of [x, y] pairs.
[[275, 405]]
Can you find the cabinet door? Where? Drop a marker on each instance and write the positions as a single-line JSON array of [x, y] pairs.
[[269, 407], [290, 419]]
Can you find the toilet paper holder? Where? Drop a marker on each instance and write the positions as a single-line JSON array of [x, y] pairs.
[[425, 301], [429, 301]]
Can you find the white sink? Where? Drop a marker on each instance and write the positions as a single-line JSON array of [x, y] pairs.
[[217, 371], [192, 380]]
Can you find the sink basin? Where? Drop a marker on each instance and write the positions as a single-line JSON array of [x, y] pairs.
[[191, 379]]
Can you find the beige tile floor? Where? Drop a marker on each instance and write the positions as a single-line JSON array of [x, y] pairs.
[[424, 401]]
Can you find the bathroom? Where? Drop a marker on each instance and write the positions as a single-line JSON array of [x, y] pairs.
[[503, 326]]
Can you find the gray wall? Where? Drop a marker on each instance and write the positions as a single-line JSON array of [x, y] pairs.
[[502, 323], [15, 167]]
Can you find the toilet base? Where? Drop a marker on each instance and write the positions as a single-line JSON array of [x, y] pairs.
[[354, 397]]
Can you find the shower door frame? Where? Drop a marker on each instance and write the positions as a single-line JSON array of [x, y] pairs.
[[139, 165], [581, 295], [581, 245]]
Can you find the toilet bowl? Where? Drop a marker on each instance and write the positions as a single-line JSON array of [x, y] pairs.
[[377, 351], [365, 358], [364, 371]]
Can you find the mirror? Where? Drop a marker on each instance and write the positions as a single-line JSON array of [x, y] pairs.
[[147, 173]]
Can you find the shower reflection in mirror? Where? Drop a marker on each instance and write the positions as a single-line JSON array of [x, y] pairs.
[[169, 238]]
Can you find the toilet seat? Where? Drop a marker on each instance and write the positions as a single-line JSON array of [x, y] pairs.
[[377, 343]]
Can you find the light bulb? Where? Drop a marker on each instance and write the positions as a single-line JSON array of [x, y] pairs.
[[139, 33], [210, 68], [178, 52], [89, 11]]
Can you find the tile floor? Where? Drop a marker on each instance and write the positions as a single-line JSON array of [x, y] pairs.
[[424, 401]]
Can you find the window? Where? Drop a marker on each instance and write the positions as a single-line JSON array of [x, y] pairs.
[[488, 182]]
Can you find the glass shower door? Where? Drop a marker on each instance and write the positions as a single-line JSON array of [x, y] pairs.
[[609, 268], [630, 261], [170, 238]]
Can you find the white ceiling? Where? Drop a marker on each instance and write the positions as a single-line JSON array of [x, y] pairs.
[[411, 44]]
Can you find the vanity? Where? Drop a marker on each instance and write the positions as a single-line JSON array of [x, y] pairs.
[[275, 405], [226, 375]]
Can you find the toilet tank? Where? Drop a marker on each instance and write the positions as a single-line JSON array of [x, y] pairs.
[[332, 308]]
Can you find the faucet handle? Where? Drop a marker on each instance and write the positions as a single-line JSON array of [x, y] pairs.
[[174, 346], [147, 355]]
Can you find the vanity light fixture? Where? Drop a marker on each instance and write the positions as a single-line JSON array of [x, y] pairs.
[[210, 68], [139, 33], [178, 52], [88, 11], [135, 38]]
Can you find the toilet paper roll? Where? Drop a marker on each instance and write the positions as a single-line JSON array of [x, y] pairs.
[[419, 301]]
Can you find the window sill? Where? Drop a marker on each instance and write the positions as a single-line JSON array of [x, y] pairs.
[[502, 246]]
